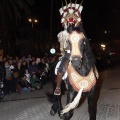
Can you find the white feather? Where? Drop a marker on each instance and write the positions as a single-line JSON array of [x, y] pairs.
[[71, 11], [69, 5], [80, 9], [64, 14], [79, 19], [61, 11], [76, 6], [64, 7], [62, 20], [73, 5], [76, 13]]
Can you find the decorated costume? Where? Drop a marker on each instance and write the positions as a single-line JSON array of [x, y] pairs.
[[70, 19]]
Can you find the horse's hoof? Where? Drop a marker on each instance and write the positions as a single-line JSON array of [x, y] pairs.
[[61, 116], [52, 112]]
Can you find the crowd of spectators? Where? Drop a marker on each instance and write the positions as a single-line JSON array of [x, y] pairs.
[[26, 74]]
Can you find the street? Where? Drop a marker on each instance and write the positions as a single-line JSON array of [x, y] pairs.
[[35, 106]]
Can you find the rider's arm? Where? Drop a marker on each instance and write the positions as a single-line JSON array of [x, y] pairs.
[[62, 38]]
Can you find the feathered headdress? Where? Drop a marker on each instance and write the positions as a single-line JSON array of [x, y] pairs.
[[71, 13]]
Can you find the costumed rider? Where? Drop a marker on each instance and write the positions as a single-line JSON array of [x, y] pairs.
[[70, 18]]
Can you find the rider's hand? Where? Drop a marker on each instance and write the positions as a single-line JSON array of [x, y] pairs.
[[60, 58]]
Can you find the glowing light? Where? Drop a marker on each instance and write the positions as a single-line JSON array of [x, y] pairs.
[[103, 46], [36, 21], [30, 20], [105, 31], [52, 51]]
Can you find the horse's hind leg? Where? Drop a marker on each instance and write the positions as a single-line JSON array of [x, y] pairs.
[[55, 106], [91, 110], [59, 105], [54, 109]]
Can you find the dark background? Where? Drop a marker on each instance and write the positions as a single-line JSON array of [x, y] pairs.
[[101, 21], [97, 15]]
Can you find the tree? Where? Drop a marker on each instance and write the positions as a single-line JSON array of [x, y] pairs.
[[12, 8], [10, 12]]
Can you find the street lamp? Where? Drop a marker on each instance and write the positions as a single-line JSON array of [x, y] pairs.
[[32, 21], [103, 46], [105, 32]]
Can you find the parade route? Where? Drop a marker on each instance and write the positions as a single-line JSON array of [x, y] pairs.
[[35, 106]]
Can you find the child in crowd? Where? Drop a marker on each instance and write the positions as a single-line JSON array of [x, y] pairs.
[[35, 82]]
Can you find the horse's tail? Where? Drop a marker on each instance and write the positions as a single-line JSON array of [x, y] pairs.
[[73, 104]]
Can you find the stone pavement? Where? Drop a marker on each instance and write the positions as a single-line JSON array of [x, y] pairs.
[[35, 106], [109, 101]]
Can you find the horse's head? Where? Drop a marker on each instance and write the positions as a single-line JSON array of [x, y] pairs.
[[71, 14], [77, 45]]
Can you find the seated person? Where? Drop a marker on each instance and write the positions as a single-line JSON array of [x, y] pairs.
[[23, 85], [28, 76], [35, 82]]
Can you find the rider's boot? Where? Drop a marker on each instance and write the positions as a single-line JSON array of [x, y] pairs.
[[58, 86]]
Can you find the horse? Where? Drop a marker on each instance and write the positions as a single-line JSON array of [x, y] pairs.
[[81, 77], [80, 70]]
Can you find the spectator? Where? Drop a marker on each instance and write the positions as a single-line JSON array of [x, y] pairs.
[[42, 66], [23, 85], [28, 76], [17, 59], [8, 78], [27, 62], [2, 70], [15, 80], [18, 68], [23, 58], [15, 75], [35, 82], [33, 59], [32, 68], [30, 57], [24, 66]]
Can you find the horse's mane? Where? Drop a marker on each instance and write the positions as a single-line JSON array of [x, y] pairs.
[[89, 53]]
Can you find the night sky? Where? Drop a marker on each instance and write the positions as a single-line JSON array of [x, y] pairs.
[[97, 16]]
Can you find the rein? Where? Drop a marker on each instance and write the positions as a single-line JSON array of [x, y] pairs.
[[54, 63]]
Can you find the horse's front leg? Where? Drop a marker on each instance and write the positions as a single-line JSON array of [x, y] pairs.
[[91, 107], [70, 97]]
